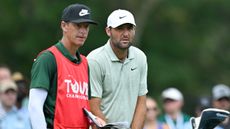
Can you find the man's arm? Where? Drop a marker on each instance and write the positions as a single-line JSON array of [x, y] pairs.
[[37, 98], [95, 109], [140, 112], [96, 82]]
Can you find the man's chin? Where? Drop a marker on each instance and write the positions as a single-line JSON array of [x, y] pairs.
[[79, 44], [124, 46]]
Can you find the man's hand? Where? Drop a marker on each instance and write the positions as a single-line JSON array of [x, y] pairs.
[[100, 121]]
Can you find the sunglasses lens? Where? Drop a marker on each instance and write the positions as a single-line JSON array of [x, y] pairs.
[[152, 109], [224, 98]]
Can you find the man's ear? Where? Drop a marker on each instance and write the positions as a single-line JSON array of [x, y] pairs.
[[108, 31], [63, 26]]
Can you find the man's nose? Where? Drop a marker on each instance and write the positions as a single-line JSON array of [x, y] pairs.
[[82, 30], [126, 32]]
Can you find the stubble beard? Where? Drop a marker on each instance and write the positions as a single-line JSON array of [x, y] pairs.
[[120, 45]]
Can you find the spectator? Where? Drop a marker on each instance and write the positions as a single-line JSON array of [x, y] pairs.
[[10, 117], [153, 111], [221, 100], [23, 91], [5, 72], [172, 104]]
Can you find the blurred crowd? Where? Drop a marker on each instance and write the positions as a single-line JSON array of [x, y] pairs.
[[172, 116], [14, 89]]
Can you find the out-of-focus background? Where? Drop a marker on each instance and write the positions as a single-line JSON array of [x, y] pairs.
[[187, 42]]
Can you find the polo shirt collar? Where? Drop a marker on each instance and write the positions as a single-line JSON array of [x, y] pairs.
[[66, 53], [131, 53], [113, 56]]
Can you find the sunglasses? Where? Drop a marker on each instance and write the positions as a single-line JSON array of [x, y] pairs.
[[224, 98], [168, 100], [152, 109]]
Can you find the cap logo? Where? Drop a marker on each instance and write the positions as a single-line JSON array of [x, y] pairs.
[[122, 17], [83, 12]]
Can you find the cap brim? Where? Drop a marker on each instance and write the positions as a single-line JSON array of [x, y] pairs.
[[172, 98], [219, 97], [115, 26], [168, 98], [84, 21]]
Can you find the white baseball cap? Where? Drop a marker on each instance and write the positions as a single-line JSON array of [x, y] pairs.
[[6, 85], [220, 91], [172, 93], [119, 17]]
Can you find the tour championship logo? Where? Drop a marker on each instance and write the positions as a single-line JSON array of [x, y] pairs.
[[76, 89]]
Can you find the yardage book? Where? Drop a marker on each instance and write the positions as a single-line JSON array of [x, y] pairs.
[[114, 125]]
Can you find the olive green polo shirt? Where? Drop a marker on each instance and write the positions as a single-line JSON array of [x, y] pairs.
[[117, 83], [44, 75]]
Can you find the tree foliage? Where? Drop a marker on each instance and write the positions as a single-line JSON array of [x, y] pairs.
[[186, 42]]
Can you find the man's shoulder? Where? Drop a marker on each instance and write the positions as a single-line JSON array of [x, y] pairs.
[[186, 117], [161, 118], [44, 55], [97, 53], [138, 54], [137, 51], [44, 59]]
